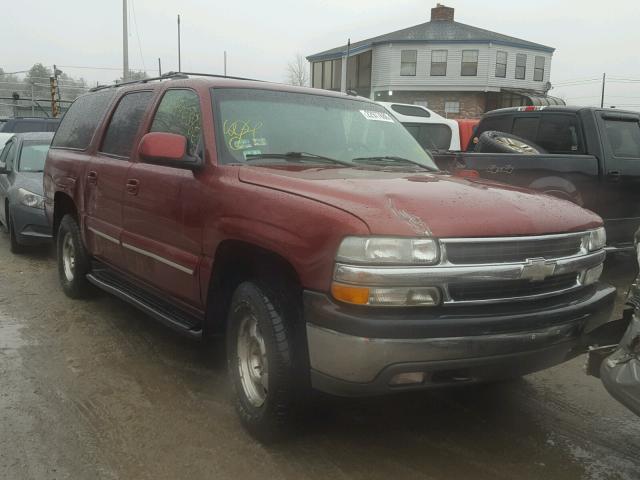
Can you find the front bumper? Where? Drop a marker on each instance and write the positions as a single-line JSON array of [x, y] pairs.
[[31, 225], [357, 351]]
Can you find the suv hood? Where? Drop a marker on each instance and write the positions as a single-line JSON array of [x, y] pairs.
[[410, 203]]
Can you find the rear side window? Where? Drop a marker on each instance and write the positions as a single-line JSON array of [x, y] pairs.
[[179, 112], [559, 134], [624, 138], [431, 136], [526, 127], [410, 111], [499, 123], [125, 123], [82, 119]]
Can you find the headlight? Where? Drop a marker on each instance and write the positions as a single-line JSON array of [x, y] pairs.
[[388, 251], [30, 199], [597, 239]]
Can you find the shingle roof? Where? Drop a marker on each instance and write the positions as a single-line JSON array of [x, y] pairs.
[[434, 32]]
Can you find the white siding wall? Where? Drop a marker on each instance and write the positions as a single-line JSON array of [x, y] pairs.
[[386, 68]]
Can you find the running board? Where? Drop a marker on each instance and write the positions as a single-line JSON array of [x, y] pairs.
[[154, 306]]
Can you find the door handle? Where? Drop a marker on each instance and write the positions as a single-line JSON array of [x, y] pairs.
[[132, 186], [92, 177], [614, 175]]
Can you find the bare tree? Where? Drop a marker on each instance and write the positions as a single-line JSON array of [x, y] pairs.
[[298, 71]]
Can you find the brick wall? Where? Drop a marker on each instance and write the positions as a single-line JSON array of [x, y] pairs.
[[472, 104]]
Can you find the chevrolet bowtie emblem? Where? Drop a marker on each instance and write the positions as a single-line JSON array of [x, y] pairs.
[[537, 269]]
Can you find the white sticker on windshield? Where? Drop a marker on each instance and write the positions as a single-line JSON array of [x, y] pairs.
[[377, 116]]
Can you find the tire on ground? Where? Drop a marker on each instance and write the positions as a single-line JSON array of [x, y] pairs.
[[286, 360], [500, 142], [73, 259], [14, 246]]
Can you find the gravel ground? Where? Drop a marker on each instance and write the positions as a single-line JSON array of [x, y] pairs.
[[96, 390]]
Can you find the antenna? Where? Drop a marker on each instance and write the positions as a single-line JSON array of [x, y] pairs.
[[346, 68]]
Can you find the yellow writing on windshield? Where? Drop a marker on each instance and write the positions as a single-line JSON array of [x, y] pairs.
[[241, 134]]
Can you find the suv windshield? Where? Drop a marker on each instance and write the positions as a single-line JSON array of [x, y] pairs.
[[32, 156], [267, 125]]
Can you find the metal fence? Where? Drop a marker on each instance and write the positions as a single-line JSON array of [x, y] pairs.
[[27, 107]]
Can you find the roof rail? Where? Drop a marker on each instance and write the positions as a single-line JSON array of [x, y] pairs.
[[165, 76], [220, 76], [170, 76]]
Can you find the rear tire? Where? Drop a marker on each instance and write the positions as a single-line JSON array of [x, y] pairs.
[[73, 259], [500, 142], [263, 361], [14, 246]]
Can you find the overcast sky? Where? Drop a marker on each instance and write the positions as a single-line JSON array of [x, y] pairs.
[[591, 37]]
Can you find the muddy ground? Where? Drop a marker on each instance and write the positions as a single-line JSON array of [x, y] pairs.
[[96, 390]]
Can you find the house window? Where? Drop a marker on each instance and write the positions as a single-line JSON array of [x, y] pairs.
[[327, 74], [408, 62], [337, 74], [438, 63], [359, 74], [469, 63], [451, 107], [317, 75], [538, 72], [501, 64], [521, 66]]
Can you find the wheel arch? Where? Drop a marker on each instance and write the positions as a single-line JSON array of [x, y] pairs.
[[63, 205]]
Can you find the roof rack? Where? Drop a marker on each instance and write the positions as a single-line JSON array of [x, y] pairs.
[[169, 76]]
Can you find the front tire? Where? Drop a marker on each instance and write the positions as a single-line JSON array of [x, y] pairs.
[[14, 246], [260, 357], [73, 259]]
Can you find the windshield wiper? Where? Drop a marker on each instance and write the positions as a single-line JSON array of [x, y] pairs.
[[390, 160], [297, 156]]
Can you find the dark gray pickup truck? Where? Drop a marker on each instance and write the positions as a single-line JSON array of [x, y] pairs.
[[589, 156]]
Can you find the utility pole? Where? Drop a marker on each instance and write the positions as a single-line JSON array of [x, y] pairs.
[[159, 67], [604, 81], [54, 106], [125, 43], [179, 54], [225, 63]]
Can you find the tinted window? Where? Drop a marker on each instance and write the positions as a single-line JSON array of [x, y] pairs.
[[81, 120], [32, 156], [624, 138], [125, 123], [431, 136], [410, 111], [179, 112], [499, 123], [559, 134], [526, 127]]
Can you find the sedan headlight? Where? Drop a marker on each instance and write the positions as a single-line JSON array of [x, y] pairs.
[[597, 239], [30, 199], [388, 251]]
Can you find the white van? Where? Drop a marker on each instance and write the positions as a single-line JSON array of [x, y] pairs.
[[433, 131]]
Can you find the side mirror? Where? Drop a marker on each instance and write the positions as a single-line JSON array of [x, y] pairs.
[[168, 149]]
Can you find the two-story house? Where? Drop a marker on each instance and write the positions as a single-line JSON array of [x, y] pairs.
[[455, 69]]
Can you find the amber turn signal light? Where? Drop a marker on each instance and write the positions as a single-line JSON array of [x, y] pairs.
[[350, 293]]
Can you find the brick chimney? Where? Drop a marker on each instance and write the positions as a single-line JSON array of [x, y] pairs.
[[442, 14]]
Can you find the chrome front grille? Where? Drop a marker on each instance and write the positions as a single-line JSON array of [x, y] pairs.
[[481, 291], [480, 251]]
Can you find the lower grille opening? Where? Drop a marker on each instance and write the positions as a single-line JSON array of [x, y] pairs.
[[474, 291]]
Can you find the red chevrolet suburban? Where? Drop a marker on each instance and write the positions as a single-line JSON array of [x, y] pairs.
[[312, 230]]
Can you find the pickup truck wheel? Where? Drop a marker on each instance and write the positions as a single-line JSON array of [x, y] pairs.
[[500, 142], [260, 360], [73, 259]]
